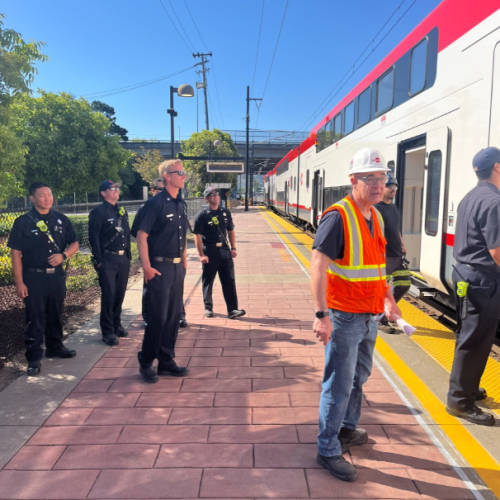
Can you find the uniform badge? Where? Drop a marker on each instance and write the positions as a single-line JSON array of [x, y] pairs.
[[170, 215], [59, 221]]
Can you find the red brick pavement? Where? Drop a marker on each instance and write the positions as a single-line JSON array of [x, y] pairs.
[[243, 424]]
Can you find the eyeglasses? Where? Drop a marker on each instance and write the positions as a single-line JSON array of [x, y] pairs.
[[371, 180], [213, 195], [180, 173], [156, 189], [392, 186], [114, 188]]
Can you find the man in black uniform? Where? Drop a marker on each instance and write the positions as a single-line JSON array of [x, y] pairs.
[[216, 245], [109, 237], [40, 241], [476, 282], [397, 270], [161, 240]]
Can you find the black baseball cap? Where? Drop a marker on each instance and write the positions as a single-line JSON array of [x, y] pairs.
[[486, 158], [209, 190], [107, 184]]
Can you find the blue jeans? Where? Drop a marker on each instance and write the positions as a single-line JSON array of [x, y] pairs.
[[348, 364]]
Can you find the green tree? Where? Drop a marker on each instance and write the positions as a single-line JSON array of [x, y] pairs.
[[202, 144], [109, 112], [17, 72], [69, 144], [146, 164]]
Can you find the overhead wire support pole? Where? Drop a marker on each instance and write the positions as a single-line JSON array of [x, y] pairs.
[[204, 84], [247, 162]]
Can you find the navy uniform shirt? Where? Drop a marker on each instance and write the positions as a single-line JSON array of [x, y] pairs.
[[34, 244], [102, 223], [392, 223], [164, 219], [204, 225], [478, 227]]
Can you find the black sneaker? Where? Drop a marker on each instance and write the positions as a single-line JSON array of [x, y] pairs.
[[237, 313], [183, 323], [149, 374], [121, 332], [480, 394], [209, 314], [110, 339], [356, 437], [338, 467], [33, 369], [63, 352], [473, 414], [172, 371]]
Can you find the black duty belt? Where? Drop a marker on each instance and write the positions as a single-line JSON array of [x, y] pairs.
[[115, 252], [171, 260], [214, 244], [478, 268], [43, 270]]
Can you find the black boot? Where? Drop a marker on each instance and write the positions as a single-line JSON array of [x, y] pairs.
[[172, 370], [473, 414], [63, 352], [147, 371], [355, 437], [338, 467], [121, 332], [111, 340], [34, 368]]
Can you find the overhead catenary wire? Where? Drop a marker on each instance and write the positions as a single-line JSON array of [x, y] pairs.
[[196, 27], [258, 43], [272, 62], [175, 26], [128, 88], [352, 70], [180, 24]]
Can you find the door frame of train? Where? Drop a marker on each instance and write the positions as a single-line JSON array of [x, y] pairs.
[[285, 199], [317, 195]]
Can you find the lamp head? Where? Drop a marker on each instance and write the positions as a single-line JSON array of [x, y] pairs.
[[185, 90]]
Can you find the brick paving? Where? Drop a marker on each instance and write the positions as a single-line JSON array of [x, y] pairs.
[[242, 424]]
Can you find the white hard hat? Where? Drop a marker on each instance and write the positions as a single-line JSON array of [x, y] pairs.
[[368, 160]]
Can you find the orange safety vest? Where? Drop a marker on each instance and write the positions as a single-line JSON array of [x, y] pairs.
[[357, 282]]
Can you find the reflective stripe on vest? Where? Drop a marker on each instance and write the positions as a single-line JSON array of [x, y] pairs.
[[356, 270]]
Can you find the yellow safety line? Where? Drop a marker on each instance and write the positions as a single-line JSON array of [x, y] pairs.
[[467, 445]]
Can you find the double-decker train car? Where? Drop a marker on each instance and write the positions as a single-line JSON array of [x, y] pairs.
[[428, 107]]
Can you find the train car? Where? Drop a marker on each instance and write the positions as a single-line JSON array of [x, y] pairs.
[[428, 106]]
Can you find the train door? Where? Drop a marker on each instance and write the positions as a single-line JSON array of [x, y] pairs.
[[285, 206], [494, 131], [434, 197], [318, 195]]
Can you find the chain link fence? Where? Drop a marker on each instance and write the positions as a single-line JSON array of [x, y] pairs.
[[81, 278]]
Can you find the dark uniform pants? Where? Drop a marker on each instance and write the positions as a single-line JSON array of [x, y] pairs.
[[164, 302], [145, 306], [219, 261], [399, 275], [113, 278], [475, 334], [44, 307]]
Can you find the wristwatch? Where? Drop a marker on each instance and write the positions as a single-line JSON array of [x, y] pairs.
[[321, 314], [233, 249], [64, 256]]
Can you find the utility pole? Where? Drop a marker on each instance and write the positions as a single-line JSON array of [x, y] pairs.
[[203, 85], [247, 162]]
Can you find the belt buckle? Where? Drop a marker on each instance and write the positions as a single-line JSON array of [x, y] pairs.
[[176, 260], [50, 270], [218, 244], [121, 252]]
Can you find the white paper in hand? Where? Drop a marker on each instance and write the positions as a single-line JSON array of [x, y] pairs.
[[404, 325]]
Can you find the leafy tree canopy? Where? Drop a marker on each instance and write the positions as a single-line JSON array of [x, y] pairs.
[[109, 112], [201, 144], [69, 145], [146, 164]]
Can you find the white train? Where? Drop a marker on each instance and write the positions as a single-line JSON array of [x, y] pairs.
[[429, 106]]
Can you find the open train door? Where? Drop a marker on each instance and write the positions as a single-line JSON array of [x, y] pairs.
[[434, 196], [285, 206], [318, 190]]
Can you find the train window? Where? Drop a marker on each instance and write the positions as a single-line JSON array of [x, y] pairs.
[[320, 140], [364, 106], [349, 118], [307, 179], [418, 69], [328, 133], [432, 198], [385, 92], [337, 127]]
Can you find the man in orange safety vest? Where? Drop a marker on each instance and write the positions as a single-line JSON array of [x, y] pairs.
[[348, 281]]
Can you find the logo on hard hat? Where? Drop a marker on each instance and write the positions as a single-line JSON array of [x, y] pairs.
[[377, 160]]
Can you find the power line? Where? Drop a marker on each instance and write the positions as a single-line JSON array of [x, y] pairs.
[[272, 62], [213, 112], [258, 42], [217, 93], [352, 70], [196, 27], [174, 25], [182, 27], [108, 93]]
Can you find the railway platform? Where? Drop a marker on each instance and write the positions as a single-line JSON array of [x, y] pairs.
[[243, 423]]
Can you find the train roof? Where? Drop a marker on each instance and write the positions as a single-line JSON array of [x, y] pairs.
[[453, 18]]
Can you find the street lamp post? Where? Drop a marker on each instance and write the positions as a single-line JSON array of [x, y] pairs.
[[184, 90]]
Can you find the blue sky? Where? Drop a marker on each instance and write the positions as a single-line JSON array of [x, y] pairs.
[[100, 45]]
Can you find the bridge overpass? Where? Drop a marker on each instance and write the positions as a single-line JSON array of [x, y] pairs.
[[267, 148]]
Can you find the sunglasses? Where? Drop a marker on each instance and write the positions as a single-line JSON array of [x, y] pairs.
[[213, 195], [371, 180], [114, 188], [180, 173]]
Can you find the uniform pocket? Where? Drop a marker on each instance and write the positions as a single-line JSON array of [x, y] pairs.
[[343, 315]]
